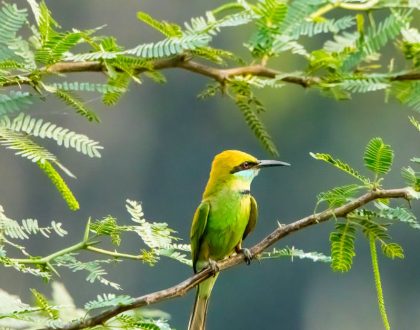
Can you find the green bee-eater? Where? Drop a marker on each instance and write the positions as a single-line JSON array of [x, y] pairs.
[[225, 216]]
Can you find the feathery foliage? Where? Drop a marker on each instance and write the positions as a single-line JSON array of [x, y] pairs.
[[24, 145], [249, 105], [293, 253], [94, 268], [108, 300], [63, 136], [77, 104], [340, 165], [378, 156], [339, 195], [342, 246], [14, 102]]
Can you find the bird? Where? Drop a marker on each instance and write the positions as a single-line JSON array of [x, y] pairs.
[[226, 215]]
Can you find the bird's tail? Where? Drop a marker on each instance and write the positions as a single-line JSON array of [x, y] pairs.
[[199, 313]]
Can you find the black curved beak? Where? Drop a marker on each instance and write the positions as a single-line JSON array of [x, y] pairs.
[[270, 163]]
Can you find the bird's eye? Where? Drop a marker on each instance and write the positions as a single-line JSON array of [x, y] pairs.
[[246, 165]]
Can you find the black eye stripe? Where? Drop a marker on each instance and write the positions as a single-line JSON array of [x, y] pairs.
[[243, 166]]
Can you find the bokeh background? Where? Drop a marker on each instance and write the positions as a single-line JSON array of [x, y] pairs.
[[159, 142]]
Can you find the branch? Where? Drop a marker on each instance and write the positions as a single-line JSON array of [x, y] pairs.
[[182, 62], [183, 287]]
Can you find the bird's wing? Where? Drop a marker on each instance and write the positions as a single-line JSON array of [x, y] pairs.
[[253, 215], [197, 229]]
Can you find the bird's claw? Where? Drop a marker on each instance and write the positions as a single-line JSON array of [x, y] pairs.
[[213, 266], [247, 255]]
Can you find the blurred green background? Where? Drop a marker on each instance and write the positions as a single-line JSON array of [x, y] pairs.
[[159, 143]]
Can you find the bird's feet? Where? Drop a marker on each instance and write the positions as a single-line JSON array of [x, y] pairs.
[[247, 255], [213, 266]]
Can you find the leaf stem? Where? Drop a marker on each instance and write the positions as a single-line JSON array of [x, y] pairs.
[[377, 277], [49, 258], [338, 4], [114, 254]]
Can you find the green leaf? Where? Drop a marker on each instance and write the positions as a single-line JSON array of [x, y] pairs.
[[95, 271], [12, 20], [247, 102], [311, 28], [42, 303], [375, 38], [412, 178], [342, 246], [364, 85], [73, 101], [14, 102], [392, 250], [119, 81], [56, 46], [108, 227], [378, 156], [63, 136], [340, 165], [338, 195], [398, 213], [407, 92], [295, 253], [108, 300], [168, 29], [168, 47], [371, 228], [84, 87], [415, 122], [24, 145]]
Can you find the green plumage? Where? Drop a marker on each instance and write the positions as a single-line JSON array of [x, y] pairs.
[[219, 225], [224, 218]]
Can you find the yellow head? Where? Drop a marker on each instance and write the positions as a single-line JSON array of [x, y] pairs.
[[235, 169]]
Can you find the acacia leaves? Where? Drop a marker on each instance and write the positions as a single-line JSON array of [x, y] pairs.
[[373, 223], [378, 156]]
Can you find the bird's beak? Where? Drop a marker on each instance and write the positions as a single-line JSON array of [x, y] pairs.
[[269, 163]]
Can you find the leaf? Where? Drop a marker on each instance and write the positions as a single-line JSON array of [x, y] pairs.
[[95, 271], [108, 227], [338, 195], [42, 303], [340, 165], [342, 246], [375, 38], [378, 156], [247, 102], [168, 47], [398, 213], [108, 300], [168, 29], [84, 87], [63, 136], [415, 122], [364, 85], [295, 253], [311, 28], [24, 145], [14, 102], [411, 177], [73, 101], [12, 19], [156, 235], [392, 250]]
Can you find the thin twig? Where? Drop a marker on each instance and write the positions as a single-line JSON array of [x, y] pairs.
[[183, 287], [181, 62]]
